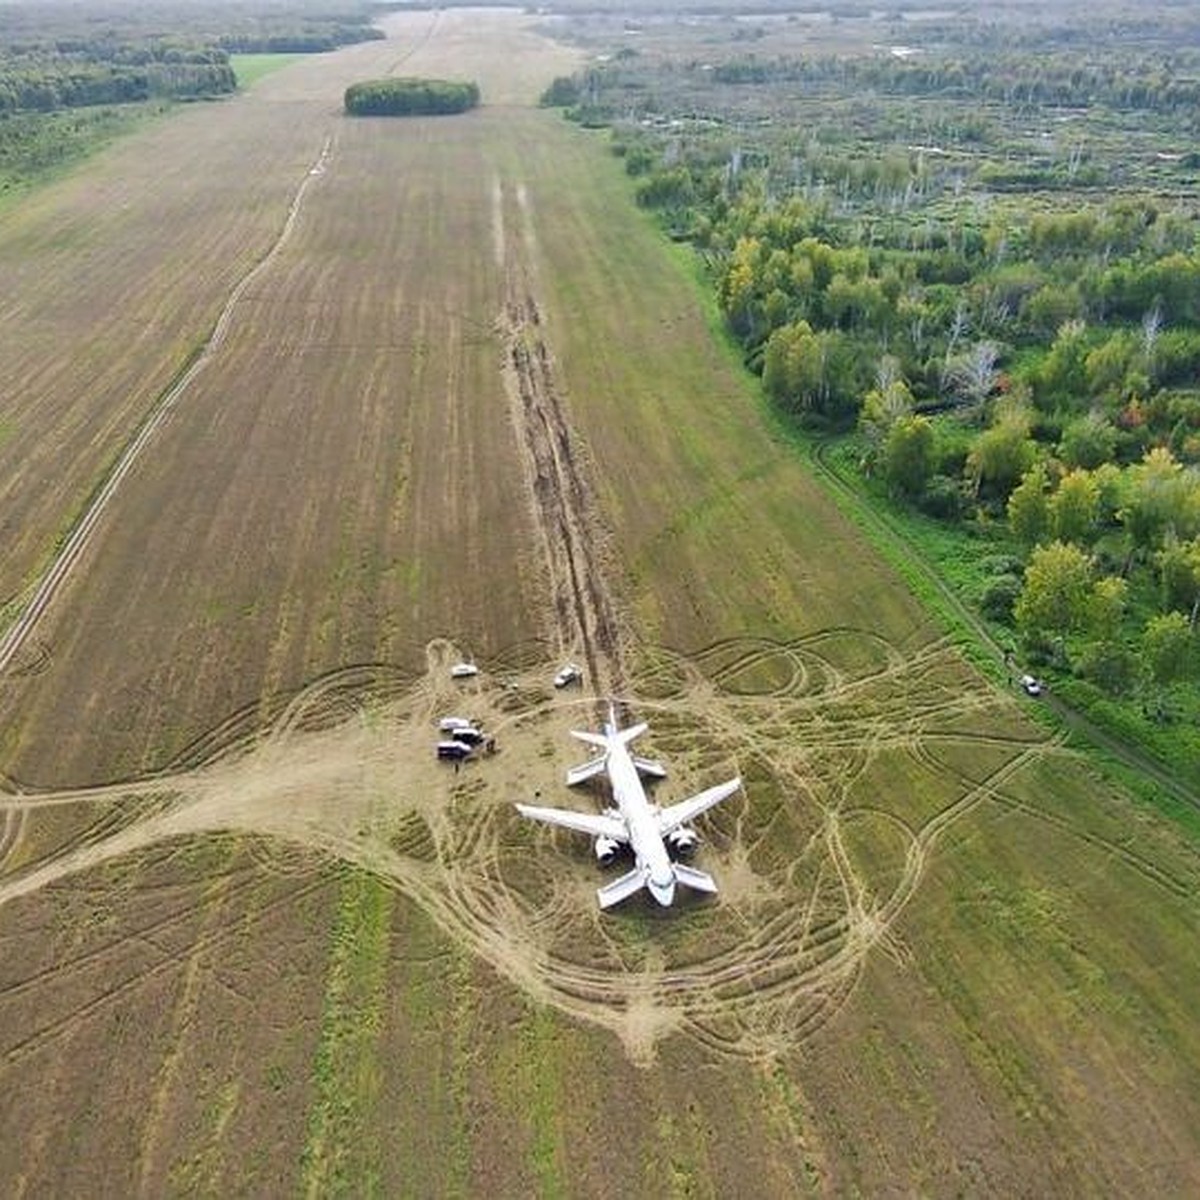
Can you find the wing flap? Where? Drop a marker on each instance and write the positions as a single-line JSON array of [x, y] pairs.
[[687, 810], [592, 739], [590, 823]]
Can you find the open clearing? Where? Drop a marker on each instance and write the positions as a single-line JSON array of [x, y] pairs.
[[451, 395]]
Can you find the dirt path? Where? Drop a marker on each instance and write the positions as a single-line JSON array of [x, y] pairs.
[[582, 612]]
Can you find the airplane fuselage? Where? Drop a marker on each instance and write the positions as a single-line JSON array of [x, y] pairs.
[[649, 849]]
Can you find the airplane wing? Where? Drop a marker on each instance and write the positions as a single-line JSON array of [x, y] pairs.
[[621, 889], [591, 823], [686, 810], [588, 770]]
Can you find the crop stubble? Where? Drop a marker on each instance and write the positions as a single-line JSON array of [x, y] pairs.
[[459, 403]]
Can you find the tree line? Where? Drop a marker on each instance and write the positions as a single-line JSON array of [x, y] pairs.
[[53, 58]]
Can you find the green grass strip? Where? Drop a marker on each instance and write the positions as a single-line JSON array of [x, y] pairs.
[[248, 69], [338, 1160]]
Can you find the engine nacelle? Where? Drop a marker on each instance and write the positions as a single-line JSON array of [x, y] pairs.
[[606, 850], [682, 842]]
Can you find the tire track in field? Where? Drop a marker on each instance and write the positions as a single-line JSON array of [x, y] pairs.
[[81, 535], [583, 613], [345, 771]]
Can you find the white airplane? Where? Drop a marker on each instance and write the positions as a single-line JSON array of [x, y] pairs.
[[649, 831]]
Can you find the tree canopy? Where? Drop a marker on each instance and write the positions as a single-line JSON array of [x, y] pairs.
[[405, 97]]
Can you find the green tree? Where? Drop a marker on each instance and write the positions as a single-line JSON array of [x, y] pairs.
[[1168, 648], [885, 404], [1106, 607], [1055, 599], [1088, 442], [1161, 498], [794, 367], [908, 455], [1075, 507], [1001, 455], [1029, 508], [1179, 573], [1062, 377], [1110, 665]]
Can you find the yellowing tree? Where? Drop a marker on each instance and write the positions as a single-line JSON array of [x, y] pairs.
[[1029, 508], [1054, 600], [1075, 507]]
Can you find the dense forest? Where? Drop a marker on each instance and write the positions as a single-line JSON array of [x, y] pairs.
[[406, 97], [54, 56], [965, 261], [70, 77]]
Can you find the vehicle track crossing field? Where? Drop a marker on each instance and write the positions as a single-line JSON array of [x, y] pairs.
[[468, 405], [345, 770]]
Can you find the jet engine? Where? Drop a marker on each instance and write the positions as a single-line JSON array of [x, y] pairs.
[[682, 842], [606, 850]]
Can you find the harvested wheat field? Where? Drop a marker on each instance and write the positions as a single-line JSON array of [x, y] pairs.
[[298, 411]]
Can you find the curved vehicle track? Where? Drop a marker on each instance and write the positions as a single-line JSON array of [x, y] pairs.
[[345, 770]]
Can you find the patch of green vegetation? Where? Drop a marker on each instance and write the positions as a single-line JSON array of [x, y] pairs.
[[337, 1160], [530, 1077], [37, 148], [250, 68]]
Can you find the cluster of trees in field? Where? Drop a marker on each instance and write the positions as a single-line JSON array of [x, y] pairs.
[[410, 97], [309, 36], [1043, 372], [33, 143]]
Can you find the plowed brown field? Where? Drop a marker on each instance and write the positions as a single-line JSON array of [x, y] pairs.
[[296, 410]]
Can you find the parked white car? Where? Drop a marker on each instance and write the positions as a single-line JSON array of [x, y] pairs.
[[568, 673]]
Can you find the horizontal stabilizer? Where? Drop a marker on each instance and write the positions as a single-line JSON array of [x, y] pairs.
[[621, 889], [700, 881], [592, 739], [588, 770], [590, 823], [687, 810], [650, 766]]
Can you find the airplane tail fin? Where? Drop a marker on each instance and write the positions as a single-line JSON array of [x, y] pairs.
[[621, 889]]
